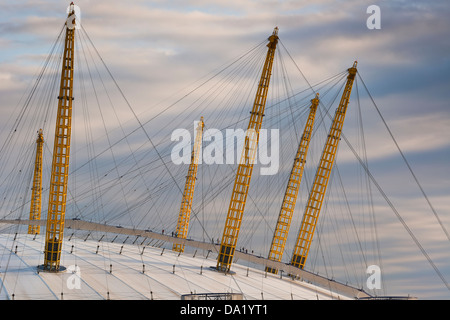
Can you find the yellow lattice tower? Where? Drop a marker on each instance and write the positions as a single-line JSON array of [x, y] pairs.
[[36, 191], [322, 177], [60, 163], [245, 168], [188, 194], [290, 196]]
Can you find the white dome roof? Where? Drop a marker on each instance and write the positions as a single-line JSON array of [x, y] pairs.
[[106, 270]]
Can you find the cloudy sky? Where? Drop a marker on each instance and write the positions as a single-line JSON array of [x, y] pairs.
[[156, 49]]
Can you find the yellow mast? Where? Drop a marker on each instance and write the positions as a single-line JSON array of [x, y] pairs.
[[290, 196], [36, 195], [188, 194], [322, 177], [245, 168], [61, 151]]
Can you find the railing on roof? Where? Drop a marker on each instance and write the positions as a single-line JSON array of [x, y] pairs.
[[212, 296]]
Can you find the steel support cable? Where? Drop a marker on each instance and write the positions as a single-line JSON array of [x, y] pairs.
[[321, 124], [130, 171], [152, 196], [334, 98], [299, 69], [250, 67], [94, 173], [255, 204], [372, 215], [29, 97], [322, 244], [282, 83], [252, 71], [342, 75], [213, 196], [413, 237], [90, 148], [231, 101], [111, 103], [295, 142], [406, 162], [170, 106], [25, 162], [45, 97], [213, 92], [330, 106], [319, 86], [233, 124], [347, 204], [135, 115], [10, 180], [303, 75], [83, 99], [243, 70], [36, 118], [411, 234], [350, 212], [321, 118], [53, 87], [248, 97], [288, 89], [257, 207], [281, 77], [191, 91], [320, 248], [16, 232], [106, 133]]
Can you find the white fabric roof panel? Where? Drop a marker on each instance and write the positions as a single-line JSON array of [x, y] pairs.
[[88, 274]]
